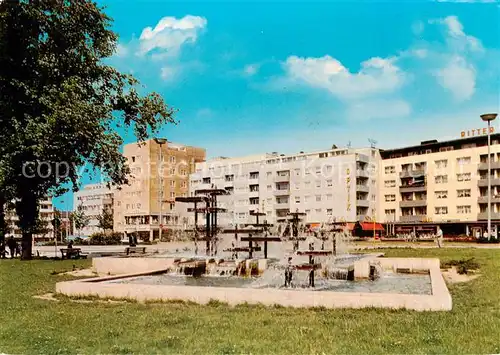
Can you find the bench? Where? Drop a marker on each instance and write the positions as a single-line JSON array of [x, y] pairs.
[[130, 250], [69, 253]]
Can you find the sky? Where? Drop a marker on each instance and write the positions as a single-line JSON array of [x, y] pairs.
[[290, 76]]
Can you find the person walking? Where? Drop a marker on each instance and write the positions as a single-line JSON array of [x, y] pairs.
[[439, 237], [12, 245]]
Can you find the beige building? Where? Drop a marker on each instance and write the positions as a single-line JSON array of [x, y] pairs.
[[440, 183], [137, 205], [46, 214]]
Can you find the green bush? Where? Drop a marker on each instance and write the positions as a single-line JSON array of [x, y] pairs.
[[463, 266], [105, 239]]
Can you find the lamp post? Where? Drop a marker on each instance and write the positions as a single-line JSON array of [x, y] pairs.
[[160, 142], [488, 117]]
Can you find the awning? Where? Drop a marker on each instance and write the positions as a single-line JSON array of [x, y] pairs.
[[370, 226]]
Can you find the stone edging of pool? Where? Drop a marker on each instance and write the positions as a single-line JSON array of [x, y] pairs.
[[439, 300]]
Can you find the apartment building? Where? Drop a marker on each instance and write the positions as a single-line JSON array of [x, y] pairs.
[[93, 199], [440, 183], [46, 214], [334, 184], [137, 205]]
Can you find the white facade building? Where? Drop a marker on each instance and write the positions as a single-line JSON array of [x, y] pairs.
[[93, 198], [46, 214], [335, 184]]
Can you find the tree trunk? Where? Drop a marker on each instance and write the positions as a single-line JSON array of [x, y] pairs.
[[27, 244], [27, 211]]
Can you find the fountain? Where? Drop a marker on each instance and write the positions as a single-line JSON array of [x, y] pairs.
[[318, 266]]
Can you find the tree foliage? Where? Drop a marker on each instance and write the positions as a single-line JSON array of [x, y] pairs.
[[105, 219], [79, 219], [59, 102]]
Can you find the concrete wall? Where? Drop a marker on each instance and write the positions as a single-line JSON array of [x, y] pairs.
[[121, 266], [440, 300]]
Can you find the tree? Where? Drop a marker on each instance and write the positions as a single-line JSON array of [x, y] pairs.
[[60, 103], [56, 224], [79, 219], [105, 220]]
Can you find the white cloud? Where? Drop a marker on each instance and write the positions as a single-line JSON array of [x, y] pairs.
[[456, 37], [205, 112], [251, 69], [168, 72], [376, 76], [378, 109], [459, 77], [168, 36], [121, 50]]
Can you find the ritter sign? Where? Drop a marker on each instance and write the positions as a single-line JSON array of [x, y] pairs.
[[476, 132]]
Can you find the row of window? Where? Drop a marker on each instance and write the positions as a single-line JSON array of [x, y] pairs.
[[297, 199], [462, 209], [442, 163], [437, 194], [438, 179]]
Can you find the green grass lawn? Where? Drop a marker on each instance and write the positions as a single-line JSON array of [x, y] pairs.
[[29, 325]]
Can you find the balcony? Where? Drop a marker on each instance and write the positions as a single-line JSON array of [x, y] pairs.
[[282, 178], [484, 182], [413, 203], [484, 199], [281, 192], [412, 173], [362, 158], [362, 173], [413, 218], [282, 205], [413, 188], [362, 203], [362, 188], [484, 165], [253, 194], [484, 215]]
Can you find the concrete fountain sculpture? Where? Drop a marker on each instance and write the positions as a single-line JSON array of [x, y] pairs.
[[310, 272]]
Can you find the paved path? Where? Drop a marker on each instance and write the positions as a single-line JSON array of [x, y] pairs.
[[274, 249]]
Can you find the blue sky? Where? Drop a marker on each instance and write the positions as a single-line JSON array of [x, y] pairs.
[[252, 77]]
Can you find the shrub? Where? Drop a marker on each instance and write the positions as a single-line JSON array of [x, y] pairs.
[[105, 239], [463, 266]]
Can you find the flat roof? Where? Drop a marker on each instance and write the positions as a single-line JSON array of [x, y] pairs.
[[434, 145]]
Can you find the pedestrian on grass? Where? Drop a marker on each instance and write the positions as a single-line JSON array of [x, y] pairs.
[[12, 245], [439, 237], [288, 273]]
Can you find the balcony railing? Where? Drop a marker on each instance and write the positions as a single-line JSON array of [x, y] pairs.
[[282, 205], [484, 182], [361, 202], [282, 178], [413, 188], [281, 192], [362, 173], [484, 165], [413, 203], [362, 188], [413, 218], [484, 215], [412, 173], [484, 199]]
